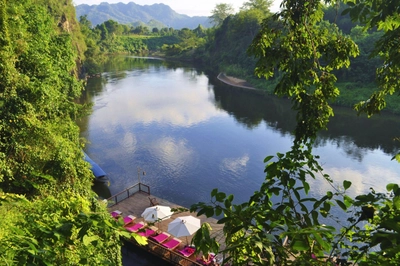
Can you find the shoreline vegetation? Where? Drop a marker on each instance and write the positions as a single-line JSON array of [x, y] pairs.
[[241, 83]]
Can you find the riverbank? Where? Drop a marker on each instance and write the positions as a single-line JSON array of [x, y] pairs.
[[241, 83], [347, 98]]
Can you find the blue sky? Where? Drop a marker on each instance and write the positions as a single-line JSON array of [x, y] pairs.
[[187, 7]]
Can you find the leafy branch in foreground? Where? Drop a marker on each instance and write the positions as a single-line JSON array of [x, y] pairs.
[[255, 231], [305, 51]]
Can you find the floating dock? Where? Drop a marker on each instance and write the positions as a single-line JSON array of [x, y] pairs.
[[134, 200]]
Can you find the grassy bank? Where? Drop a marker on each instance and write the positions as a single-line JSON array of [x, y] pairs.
[[351, 93]]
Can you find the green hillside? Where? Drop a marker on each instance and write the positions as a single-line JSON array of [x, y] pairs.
[[50, 216]]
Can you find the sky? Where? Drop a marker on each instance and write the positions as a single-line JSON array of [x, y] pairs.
[[187, 7]]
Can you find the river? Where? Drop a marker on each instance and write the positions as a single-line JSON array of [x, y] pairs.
[[191, 133], [183, 133]]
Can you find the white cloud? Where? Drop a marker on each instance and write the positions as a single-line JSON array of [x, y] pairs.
[[362, 180], [172, 153], [183, 108], [236, 166], [129, 142]]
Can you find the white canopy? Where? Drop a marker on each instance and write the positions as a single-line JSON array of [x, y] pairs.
[[184, 226], [156, 213]]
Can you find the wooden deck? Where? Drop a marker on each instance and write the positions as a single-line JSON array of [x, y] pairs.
[[138, 201]]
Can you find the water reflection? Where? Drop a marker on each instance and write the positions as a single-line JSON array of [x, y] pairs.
[[355, 134], [235, 166], [373, 133], [192, 133], [251, 108], [150, 101], [102, 190]]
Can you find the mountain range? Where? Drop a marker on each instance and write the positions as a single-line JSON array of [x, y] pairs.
[[157, 14]]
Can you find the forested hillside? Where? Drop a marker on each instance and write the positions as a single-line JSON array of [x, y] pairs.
[[49, 214], [156, 15]]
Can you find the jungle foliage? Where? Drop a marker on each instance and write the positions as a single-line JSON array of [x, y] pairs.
[[312, 53], [225, 50], [49, 214], [306, 54]]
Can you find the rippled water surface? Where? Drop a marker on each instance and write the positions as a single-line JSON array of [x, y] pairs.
[[190, 133]]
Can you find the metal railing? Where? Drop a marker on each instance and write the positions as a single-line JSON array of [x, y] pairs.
[[130, 191], [166, 254]]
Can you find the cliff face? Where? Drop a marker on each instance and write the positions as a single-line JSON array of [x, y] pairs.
[[64, 15]]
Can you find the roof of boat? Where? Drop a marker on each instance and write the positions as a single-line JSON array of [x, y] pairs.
[[97, 171]]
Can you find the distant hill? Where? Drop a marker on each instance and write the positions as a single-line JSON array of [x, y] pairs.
[[132, 13]]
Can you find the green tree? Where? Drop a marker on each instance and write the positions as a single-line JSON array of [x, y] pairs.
[[226, 45], [262, 5], [363, 67], [382, 15], [200, 31], [113, 27], [86, 25], [334, 14], [141, 30], [305, 53], [103, 31], [357, 33], [220, 13], [164, 31]]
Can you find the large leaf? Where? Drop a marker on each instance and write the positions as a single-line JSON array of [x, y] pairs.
[[341, 204], [300, 245], [346, 184]]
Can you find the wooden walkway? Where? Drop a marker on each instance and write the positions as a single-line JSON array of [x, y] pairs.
[[138, 201]]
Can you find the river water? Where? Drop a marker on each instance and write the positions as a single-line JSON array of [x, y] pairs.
[[191, 133]]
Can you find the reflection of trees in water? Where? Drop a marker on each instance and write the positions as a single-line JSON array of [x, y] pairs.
[[373, 133], [112, 77], [93, 87], [250, 108], [346, 144], [354, 134], [192, 74], [119, 67], [124, 63]]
